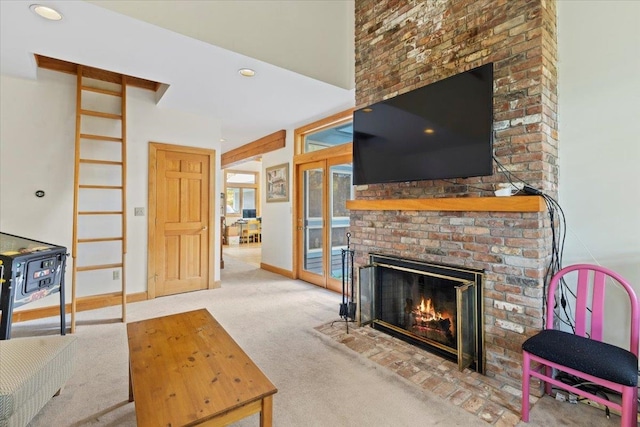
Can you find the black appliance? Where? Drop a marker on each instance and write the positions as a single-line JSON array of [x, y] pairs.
[[440, 131], [248, 213], [29, 270]]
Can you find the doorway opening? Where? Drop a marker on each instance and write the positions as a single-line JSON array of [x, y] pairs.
[[241, 215]]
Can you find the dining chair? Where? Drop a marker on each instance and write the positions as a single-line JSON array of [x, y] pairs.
[[582, 353]]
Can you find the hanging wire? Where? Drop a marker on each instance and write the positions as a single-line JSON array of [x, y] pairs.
[[558, 226]]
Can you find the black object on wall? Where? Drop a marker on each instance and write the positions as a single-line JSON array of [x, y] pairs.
[[440, 131]]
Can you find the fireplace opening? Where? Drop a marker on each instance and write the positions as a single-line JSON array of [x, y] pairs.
[[437, 307]]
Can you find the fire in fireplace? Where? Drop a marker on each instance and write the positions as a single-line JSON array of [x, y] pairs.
[[437, 307]]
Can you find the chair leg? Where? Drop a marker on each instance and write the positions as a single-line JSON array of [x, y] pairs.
[[629, 407], [548, 387], [525, 386]]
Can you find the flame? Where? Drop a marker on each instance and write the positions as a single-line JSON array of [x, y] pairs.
[[426, 311]]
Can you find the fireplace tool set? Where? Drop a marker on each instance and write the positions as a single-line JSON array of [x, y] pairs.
[[348, 305]]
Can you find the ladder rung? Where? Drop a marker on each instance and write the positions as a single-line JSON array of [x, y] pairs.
[[103, 91], [100, 162], [100, 239], [100, 212], [98, 267], [100, 114], [100, 137], [101, 187]]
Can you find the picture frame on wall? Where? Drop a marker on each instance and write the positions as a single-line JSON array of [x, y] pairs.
[[277, 178]]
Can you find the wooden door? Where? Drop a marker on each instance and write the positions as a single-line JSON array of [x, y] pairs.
[[181, 251], [323, 188]]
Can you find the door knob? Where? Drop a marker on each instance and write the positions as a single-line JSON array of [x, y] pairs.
[[205, 228]]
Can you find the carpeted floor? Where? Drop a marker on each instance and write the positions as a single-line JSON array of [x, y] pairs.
[[320, 382]]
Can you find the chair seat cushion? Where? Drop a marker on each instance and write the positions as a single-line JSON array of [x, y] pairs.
[[592, 357]]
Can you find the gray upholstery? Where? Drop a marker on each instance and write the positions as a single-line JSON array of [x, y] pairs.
[[32, 370]]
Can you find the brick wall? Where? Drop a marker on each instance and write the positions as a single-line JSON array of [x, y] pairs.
[[402, 45]]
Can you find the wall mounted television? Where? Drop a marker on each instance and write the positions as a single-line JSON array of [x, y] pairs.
[[443, 130]]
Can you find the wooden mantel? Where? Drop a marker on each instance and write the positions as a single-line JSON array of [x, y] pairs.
[[454, 204]]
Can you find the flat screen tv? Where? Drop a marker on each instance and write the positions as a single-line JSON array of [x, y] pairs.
[[440, 131]]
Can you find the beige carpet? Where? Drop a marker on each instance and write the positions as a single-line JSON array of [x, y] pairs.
[[320, 382]]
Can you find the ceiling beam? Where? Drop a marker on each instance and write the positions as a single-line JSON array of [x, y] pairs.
[[93, 73], [255, 149]]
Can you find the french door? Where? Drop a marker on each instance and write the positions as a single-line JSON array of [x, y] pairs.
[[322, 220]]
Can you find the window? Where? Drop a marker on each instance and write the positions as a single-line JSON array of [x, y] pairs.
[[241, 191], [327, 138]]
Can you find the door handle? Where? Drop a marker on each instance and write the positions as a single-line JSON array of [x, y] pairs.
[[205, 228]]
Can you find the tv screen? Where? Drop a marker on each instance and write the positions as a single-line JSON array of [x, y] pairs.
[[248, 213], [440, 131]]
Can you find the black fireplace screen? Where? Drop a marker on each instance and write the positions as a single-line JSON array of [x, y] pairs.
[[429, 305]]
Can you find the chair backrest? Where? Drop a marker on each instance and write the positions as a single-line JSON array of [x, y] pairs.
[[590, 291]]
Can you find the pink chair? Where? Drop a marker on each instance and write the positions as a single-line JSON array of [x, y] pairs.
[[583, 354]]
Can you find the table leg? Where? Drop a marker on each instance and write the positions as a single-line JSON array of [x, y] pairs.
[[130, 386], [266, 414]]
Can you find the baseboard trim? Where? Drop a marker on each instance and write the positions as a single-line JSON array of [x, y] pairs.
[[82, 304], [281, 271]]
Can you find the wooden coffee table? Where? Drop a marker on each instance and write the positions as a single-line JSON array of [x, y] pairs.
[[186, 370]]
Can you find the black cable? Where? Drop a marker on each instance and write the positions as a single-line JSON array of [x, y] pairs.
[[467, 185], [587, 386], [558, 228]]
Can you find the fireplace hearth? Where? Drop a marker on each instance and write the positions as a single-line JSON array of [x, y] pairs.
[[434, 306]]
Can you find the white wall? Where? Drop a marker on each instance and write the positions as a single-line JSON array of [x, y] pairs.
[[37, 130], [599, 146], [277, 218]]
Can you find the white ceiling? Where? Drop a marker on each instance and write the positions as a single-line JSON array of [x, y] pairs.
[[202, 77]]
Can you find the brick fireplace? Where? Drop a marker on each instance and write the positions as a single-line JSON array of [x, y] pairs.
[[402, 45]]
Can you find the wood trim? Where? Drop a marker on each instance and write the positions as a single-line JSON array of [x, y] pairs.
[[454, 204], [93, 73], [254, 149], [281, 271], [327, 153], [92, 302], [154, 147], [151, 220]]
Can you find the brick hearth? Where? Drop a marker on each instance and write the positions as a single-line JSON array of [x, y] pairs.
[[487, 398], [402, 45]]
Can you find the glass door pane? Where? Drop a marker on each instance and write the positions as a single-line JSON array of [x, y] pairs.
[[465, 296], [313, 221], [340, 191]]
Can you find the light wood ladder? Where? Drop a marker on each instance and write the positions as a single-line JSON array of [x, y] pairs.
[[98, 172]]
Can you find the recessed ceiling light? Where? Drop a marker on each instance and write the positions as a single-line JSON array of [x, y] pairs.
[[222, 140], [247, 72], [429, 131], [46, 12]]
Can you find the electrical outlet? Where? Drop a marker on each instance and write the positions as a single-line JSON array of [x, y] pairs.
[[138, 211], [116, 274]]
